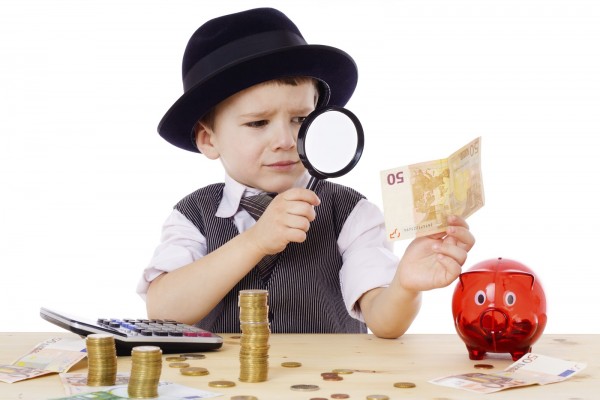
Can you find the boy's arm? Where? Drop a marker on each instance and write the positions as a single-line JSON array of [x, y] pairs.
[[429, 262], [189, 293]]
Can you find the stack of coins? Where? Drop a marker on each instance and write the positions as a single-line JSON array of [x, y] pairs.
[[254, 323], [102, 359], [146, 364]]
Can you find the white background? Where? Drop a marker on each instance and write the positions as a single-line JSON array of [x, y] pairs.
[[87, 182]]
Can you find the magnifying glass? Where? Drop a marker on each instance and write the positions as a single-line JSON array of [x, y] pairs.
[[330, 143]]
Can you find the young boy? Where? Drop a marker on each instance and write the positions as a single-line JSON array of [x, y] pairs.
[[250, 79]]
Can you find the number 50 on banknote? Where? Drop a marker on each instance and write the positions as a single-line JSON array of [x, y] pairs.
[[418, 198]]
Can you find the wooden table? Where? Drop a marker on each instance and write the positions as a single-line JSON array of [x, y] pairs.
[[378, 363]]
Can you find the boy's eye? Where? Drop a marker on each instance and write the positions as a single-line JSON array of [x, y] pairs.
[[257, 124], [298, 120]]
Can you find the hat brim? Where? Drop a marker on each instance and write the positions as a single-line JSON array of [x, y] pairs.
[[330, 65]]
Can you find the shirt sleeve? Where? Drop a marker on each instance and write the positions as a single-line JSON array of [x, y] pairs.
[[368, 258], [181, 244]]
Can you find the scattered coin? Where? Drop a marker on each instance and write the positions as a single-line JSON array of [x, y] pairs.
[[343, 371], [244, 398], [194, 356], [340, 396], [304, 388], [194, 371], [378, 397], [318, 398], [483, 366], [179, 365], [176, 358], [404, 385], [331, 376], [221, 384], [291, 364]]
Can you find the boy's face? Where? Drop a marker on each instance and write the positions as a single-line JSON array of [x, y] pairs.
[[255, 132]]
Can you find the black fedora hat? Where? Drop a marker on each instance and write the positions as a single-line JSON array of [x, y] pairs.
[[234, 52]]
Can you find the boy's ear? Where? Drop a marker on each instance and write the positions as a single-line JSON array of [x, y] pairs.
[[204, 143]]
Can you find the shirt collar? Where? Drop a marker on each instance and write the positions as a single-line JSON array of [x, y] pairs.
[[234, 191]]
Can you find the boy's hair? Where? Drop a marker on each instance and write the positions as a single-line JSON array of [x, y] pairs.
[[208, 119]]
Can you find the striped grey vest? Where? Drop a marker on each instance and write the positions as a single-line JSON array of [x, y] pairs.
[[304, 287]]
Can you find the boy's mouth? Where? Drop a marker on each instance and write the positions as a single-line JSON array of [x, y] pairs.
[[283, 164]]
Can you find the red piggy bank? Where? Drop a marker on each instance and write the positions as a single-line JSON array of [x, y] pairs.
[[499, 306]]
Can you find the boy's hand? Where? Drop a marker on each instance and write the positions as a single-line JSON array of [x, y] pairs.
[[286, 219], [435, 261]]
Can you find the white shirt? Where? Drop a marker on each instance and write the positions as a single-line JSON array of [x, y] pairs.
[[368, 259]]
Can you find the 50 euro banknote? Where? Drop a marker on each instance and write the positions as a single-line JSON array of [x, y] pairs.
[[418, 198]]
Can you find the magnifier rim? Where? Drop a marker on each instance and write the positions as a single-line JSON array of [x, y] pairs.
[[360, 143]]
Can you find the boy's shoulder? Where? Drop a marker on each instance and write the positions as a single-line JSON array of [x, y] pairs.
[[324, 189], [214, 190]]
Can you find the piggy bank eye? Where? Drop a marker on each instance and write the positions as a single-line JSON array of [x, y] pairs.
[[510, 298], [480, 297]]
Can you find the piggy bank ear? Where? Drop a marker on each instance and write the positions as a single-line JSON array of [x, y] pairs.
[[468, 279], [522, 278]]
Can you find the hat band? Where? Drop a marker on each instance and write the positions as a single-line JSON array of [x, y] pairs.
[[237, 50]]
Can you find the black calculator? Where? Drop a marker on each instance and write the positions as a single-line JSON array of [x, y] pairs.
[[171, 336]]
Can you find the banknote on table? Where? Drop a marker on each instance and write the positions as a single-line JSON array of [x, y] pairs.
[[531, 369], [76, 382], [166, 391], [13, 373], [52, 355], [418, 198]]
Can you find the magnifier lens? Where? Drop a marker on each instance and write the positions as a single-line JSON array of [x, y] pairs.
[[332, 142]]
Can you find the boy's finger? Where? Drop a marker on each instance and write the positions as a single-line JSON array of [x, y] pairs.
[[301, 194], [455, 220]]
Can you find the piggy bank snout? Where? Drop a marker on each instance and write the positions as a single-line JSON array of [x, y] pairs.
[[494, 321]]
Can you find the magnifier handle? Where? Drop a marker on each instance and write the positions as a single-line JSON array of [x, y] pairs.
[[312, 183]]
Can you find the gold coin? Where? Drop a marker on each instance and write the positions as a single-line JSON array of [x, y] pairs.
[[194, 371], [179, 365], [483, 366], [291, 364], [343, 371], [304, 388], [378, 397], [404, 385], [244, 398], [340, 396], [175, 358], [221, 384], [193, 356]]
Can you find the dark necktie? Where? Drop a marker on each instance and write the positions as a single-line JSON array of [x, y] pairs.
[[256, 206]]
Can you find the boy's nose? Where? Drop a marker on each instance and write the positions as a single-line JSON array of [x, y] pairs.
[[285, 137]]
